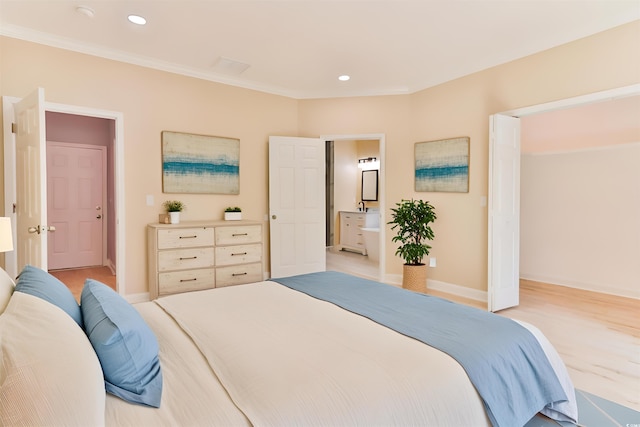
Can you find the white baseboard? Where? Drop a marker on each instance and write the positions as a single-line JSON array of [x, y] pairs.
[[136, 298], [437, 285], [393, 279], [461, 291], [609, 290], [111, 266]]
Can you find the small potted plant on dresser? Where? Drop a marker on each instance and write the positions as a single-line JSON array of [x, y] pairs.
[[173, 208], [232, 214], [412, 218]]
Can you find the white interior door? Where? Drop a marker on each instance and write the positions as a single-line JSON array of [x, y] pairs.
[[31, 195], [297, 205], [75, 195], [504, 212]]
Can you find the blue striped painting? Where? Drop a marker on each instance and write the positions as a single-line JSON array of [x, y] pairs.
[[200, 164], [443, 165]]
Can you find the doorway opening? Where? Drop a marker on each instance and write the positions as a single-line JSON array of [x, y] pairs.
[[76, 127], [80, 194], [360, 252], [80, 191], [504, 206]]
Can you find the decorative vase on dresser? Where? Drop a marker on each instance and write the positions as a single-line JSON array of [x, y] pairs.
[[174, 217], [197, 255]]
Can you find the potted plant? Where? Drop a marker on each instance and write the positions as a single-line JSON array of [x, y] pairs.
[[233, 213], [173, 208], [412, 219]]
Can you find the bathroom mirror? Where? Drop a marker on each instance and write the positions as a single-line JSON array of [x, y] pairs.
[[370, 185]]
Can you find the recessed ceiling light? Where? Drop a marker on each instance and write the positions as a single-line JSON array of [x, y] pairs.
[[344, 78], [86, 11], [137, 19]]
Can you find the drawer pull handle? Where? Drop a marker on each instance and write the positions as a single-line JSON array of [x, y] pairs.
[[190, 257], [188, 237], [239, 253], [239, 274], [240, 234], [188, 280]]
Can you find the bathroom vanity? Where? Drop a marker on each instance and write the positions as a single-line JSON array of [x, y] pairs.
[[351, 235]]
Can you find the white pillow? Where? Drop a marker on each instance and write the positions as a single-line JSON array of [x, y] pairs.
[[6, 289], [49, 373]]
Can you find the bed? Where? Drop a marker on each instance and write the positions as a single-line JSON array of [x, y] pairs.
[[272, 353]]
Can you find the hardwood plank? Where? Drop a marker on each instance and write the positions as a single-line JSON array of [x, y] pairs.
[[597, 335], [75, 278]]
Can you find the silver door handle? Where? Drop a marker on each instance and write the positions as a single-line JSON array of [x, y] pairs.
[[51, 228], [34, 229]]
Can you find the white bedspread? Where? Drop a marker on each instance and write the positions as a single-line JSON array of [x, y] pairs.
[[192, 394], [288, 359], [266, 355]]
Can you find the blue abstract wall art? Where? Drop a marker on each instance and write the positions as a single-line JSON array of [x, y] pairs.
[[443, 165], [200, 164]]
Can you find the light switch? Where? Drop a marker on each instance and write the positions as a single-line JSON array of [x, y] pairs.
[[150, 201]]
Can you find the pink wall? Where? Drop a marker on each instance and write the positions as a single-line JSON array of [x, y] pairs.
[[594, 125]]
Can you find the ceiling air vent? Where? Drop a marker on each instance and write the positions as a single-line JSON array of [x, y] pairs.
[[229, 66]]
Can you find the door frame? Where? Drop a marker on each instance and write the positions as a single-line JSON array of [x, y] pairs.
[[380, 137], [118, 173], [496, 187]]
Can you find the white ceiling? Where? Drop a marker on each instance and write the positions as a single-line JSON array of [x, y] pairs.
[[298, 48]]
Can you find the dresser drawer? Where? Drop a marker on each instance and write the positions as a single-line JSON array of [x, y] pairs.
[[239, 254], [235, 235], [184, 281], [185, 237], [182, 259], [238, 274]]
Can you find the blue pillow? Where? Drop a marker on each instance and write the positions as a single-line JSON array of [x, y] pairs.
[[125, 345], [37, 282]]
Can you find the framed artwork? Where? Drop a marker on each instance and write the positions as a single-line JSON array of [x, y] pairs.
[[442, 165], [200, 164]]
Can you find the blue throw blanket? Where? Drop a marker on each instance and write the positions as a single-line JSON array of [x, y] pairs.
[[503, 360]]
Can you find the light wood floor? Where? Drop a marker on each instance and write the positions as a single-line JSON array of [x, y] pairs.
[[596, 335], [74, 278]]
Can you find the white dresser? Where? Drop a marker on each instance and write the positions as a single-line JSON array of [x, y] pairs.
[[351, 237], [200, 255]]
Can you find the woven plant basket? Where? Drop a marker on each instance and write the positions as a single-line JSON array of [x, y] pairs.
[[414, 277]]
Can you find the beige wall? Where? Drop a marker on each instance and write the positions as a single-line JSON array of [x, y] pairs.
[[462, 108], [152, 101], [345, 171]]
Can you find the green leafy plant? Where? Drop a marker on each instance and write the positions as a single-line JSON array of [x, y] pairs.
[[412, 219], [233, 209], [174, 206]]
